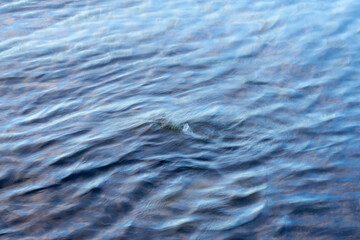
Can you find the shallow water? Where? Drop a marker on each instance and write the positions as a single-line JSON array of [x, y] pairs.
[[179, 119]]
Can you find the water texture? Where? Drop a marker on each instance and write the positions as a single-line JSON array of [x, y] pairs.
[[180, 119]]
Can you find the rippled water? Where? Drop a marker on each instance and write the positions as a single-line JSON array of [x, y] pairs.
[[181, 119]]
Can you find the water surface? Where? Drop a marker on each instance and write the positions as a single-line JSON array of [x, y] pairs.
[[181, 119]]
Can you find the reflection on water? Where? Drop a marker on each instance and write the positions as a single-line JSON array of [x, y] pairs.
[[179, 119]]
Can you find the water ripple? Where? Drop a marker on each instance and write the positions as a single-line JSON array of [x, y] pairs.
[[179, 119]]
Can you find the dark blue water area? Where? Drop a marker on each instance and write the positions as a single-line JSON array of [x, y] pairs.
[[179, 119]]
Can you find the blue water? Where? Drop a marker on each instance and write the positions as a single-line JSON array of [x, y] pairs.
[[180, 119]]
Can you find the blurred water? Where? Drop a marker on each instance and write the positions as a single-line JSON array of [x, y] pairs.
[[181, 119]]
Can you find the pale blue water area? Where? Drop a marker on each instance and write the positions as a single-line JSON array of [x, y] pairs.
[[179, 119]]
